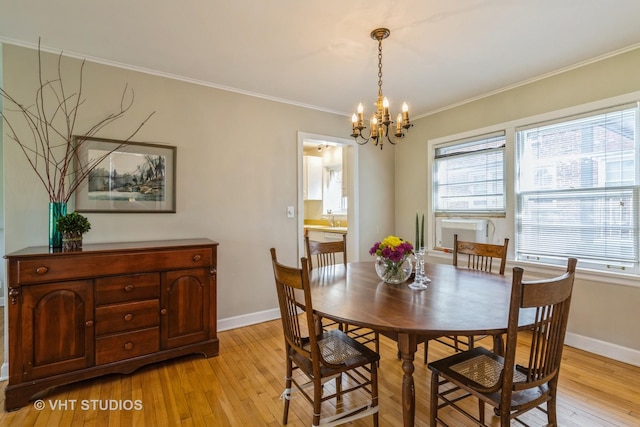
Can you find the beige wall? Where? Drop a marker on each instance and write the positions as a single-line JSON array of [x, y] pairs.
[[601, 311], [236, 173]]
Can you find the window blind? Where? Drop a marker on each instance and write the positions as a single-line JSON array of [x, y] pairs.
[[577, 190], [468, 175]]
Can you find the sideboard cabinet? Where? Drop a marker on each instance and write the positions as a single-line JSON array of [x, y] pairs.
[[110, 308]]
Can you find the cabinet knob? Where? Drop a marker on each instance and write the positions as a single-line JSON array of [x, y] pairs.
[[127, 317], [197, 258], [163, 311], [42, 270], [128, 345], [128, 288], [89, 323]]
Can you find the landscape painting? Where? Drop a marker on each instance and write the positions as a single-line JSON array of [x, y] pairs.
[[130, 177]]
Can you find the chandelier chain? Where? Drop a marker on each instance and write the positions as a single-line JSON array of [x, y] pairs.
[[380, 67]]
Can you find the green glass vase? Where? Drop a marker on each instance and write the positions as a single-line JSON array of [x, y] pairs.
[[56, 210]]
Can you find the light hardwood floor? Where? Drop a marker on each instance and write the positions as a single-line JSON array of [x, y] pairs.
[[242, 386]]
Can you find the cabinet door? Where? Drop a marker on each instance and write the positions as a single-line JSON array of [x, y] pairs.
[[312, 177], [185, 307], [57, 328]]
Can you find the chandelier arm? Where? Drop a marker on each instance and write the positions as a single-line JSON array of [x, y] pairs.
[[364, 141]]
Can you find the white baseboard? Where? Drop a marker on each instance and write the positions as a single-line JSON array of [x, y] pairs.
[[603, 348], [248, 319], [4, 372]]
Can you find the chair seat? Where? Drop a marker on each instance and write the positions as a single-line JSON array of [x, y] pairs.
[[339, 352], [480, 369]]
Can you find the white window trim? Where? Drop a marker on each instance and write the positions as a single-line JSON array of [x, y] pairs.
[[608, 277]]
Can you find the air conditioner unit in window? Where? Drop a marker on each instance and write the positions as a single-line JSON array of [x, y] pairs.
[[471, 230]]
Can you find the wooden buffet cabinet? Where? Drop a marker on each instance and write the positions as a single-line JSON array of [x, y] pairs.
[[110, 308]]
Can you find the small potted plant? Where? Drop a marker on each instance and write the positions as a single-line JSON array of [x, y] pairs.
[[72, 227]]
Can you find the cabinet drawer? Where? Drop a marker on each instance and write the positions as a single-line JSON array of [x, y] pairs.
[[110, 290], [112, 348], [125, 317], [75, 266]]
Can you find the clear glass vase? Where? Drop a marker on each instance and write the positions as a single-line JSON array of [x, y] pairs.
[[393, 272], [56, 210]]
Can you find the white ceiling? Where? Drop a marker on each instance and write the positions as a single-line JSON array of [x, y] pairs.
[[319, 53]]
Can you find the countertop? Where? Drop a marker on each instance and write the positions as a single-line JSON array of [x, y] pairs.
[[326, 228]]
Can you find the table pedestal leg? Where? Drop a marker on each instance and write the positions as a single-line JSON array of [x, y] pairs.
[[407, 345]]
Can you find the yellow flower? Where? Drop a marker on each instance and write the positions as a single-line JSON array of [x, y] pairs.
[[392, 241]]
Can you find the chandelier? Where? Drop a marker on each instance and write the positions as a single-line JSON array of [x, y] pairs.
[[381, 125]]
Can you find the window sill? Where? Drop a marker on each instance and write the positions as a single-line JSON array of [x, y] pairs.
[[609, 278]]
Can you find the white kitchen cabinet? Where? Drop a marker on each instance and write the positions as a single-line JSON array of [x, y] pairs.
[[312, 177]]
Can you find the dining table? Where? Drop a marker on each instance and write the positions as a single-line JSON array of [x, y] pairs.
[[457, 301]]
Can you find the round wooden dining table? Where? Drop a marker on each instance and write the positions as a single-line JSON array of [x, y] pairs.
[[458, 301]]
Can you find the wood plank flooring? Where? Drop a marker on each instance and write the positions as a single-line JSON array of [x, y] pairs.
[[242, 387]]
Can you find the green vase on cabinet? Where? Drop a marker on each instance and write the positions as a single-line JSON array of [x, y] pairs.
[[56, 210]]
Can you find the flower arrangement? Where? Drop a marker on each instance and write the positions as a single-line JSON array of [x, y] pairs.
[[392, 252]]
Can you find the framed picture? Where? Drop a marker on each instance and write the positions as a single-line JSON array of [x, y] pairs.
[[130, 177]]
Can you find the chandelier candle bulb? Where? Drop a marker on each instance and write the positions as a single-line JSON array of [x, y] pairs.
[[385, 107], [405, 113]]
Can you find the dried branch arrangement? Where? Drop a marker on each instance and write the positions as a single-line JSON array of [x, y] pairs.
[[53, 148]]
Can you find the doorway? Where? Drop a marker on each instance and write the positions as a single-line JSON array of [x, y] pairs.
[[337, 206]]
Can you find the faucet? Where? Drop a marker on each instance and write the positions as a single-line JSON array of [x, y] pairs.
[[331, 220]]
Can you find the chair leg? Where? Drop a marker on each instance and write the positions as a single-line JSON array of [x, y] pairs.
[[374, 391], [481, 411], [433, 405], [498, 344], [317, 401], [552, 415], [287, 392], [426, 351], [505, 416]]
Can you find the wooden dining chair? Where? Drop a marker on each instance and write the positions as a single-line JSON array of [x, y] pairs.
[[479, 256], [511, 388], [325, 254], [312, 360]]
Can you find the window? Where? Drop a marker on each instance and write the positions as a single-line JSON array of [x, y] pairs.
[[577, 190], [468, 176]]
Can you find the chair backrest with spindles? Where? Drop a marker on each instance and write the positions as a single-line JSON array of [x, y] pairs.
[[292, 285], [551, 299], [324, 253], [480, 256]]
